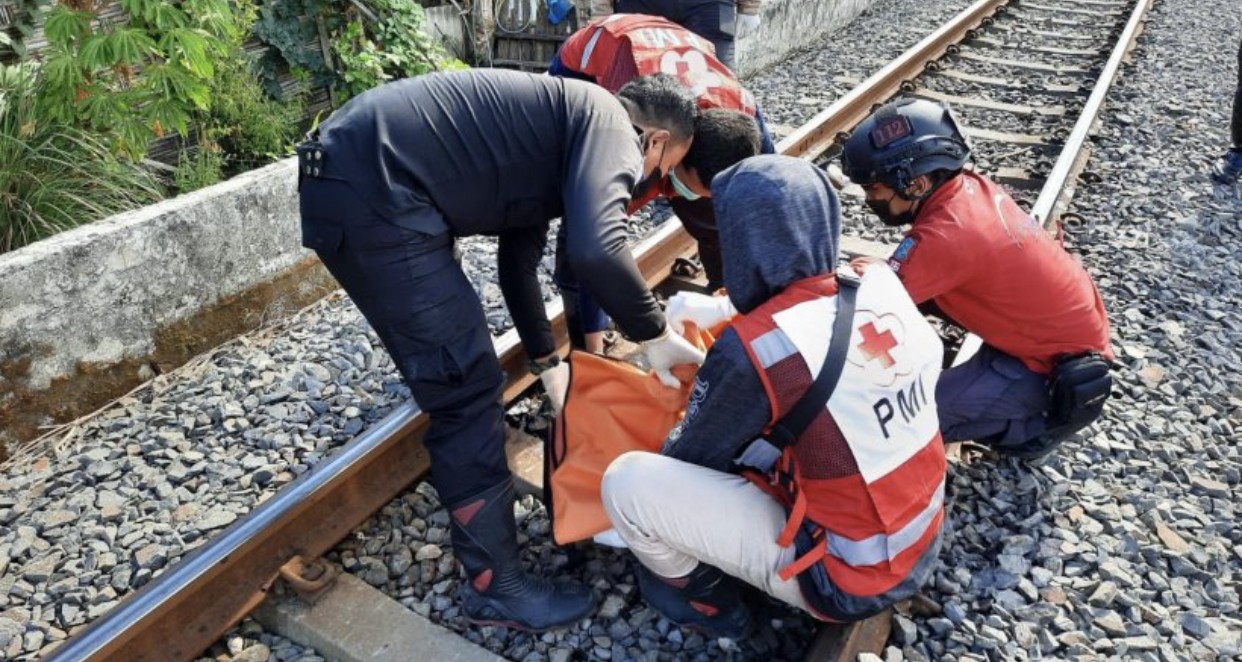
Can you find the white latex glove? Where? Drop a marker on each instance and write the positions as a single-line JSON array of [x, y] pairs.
[[669, 350], [746, 24], [556, 384], [705, 311]]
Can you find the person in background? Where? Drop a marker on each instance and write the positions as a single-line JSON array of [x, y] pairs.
[[1228, 168], [388, 182], [614, 51], [719, 21], [975, 258]]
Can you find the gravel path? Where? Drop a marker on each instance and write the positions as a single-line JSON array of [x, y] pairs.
[[1122, 545]]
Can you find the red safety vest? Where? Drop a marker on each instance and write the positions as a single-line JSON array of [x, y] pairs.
[[865, 481], [658, 46]]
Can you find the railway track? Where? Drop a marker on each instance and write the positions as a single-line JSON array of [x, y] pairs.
[[1028, 80]]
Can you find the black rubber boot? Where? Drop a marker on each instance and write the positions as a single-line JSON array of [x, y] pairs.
[[706, 600], [497, 591]]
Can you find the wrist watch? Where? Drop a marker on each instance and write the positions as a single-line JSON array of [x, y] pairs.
[[538, 367]]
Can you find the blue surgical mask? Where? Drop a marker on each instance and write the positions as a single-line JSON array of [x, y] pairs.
[[682, 190], [646, 183]]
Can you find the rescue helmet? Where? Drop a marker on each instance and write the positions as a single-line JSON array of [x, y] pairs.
[[903, 140]]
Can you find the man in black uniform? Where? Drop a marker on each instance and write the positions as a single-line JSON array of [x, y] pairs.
[[1228, 168], [401, 170]]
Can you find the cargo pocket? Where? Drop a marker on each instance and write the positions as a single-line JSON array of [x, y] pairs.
[[325, 206], [322, 238], [1008, 367], [1025, 394], [430, 371]]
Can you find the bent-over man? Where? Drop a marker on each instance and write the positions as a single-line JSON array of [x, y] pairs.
[[400, 171]]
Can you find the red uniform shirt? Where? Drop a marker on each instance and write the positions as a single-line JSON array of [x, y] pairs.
[[621, 47], [991, 268]]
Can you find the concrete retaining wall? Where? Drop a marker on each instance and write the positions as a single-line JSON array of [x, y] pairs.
[[788, 25], [90, 313]]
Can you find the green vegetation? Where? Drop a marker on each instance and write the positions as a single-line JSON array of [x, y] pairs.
[[55, 176], [372, 41], [81, 116], [133, 83], [395, 46], [243, 128]]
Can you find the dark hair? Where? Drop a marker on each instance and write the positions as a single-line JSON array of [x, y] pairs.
[[939, 177], [721, 139], [661, 100]]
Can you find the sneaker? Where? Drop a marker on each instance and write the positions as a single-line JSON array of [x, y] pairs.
[[1228, 168]]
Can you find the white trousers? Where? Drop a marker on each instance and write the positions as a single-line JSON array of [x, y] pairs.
[[674, 514]]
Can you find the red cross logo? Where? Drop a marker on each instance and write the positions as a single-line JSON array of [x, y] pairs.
[[875, 345], [692, 69]]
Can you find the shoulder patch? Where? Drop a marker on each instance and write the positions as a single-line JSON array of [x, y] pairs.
[[904, 248]]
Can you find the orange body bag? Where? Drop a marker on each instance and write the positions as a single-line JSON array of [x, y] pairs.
[[611, 408]]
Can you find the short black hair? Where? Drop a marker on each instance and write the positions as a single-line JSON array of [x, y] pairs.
[[939, 177], [661, 100], [722, 138]]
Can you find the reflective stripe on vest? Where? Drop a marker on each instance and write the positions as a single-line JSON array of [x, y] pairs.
[[772, 347], [590, 48], [880, 547], [885, 412]]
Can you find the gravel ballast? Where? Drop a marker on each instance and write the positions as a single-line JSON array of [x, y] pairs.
[[1123, 545]]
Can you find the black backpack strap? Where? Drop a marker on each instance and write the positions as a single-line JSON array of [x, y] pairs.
[[790, 427]]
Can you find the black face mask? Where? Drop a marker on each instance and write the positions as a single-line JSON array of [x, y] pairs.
[[645, 185], [881, 209]]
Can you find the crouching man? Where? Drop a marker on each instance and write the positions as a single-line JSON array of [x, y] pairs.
[[839, 515], [973, 257]]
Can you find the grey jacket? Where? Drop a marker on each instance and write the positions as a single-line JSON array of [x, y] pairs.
[[779, 222]]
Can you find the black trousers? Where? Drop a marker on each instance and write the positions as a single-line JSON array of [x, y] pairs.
[[1235, 127], [712, 20], [699, 219], [422, 306]]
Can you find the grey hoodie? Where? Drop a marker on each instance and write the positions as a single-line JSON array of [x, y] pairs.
[[779, 222]]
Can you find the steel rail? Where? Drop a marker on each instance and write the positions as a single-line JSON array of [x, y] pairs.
[[185, 610], [815, 137], [1058, 188]]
